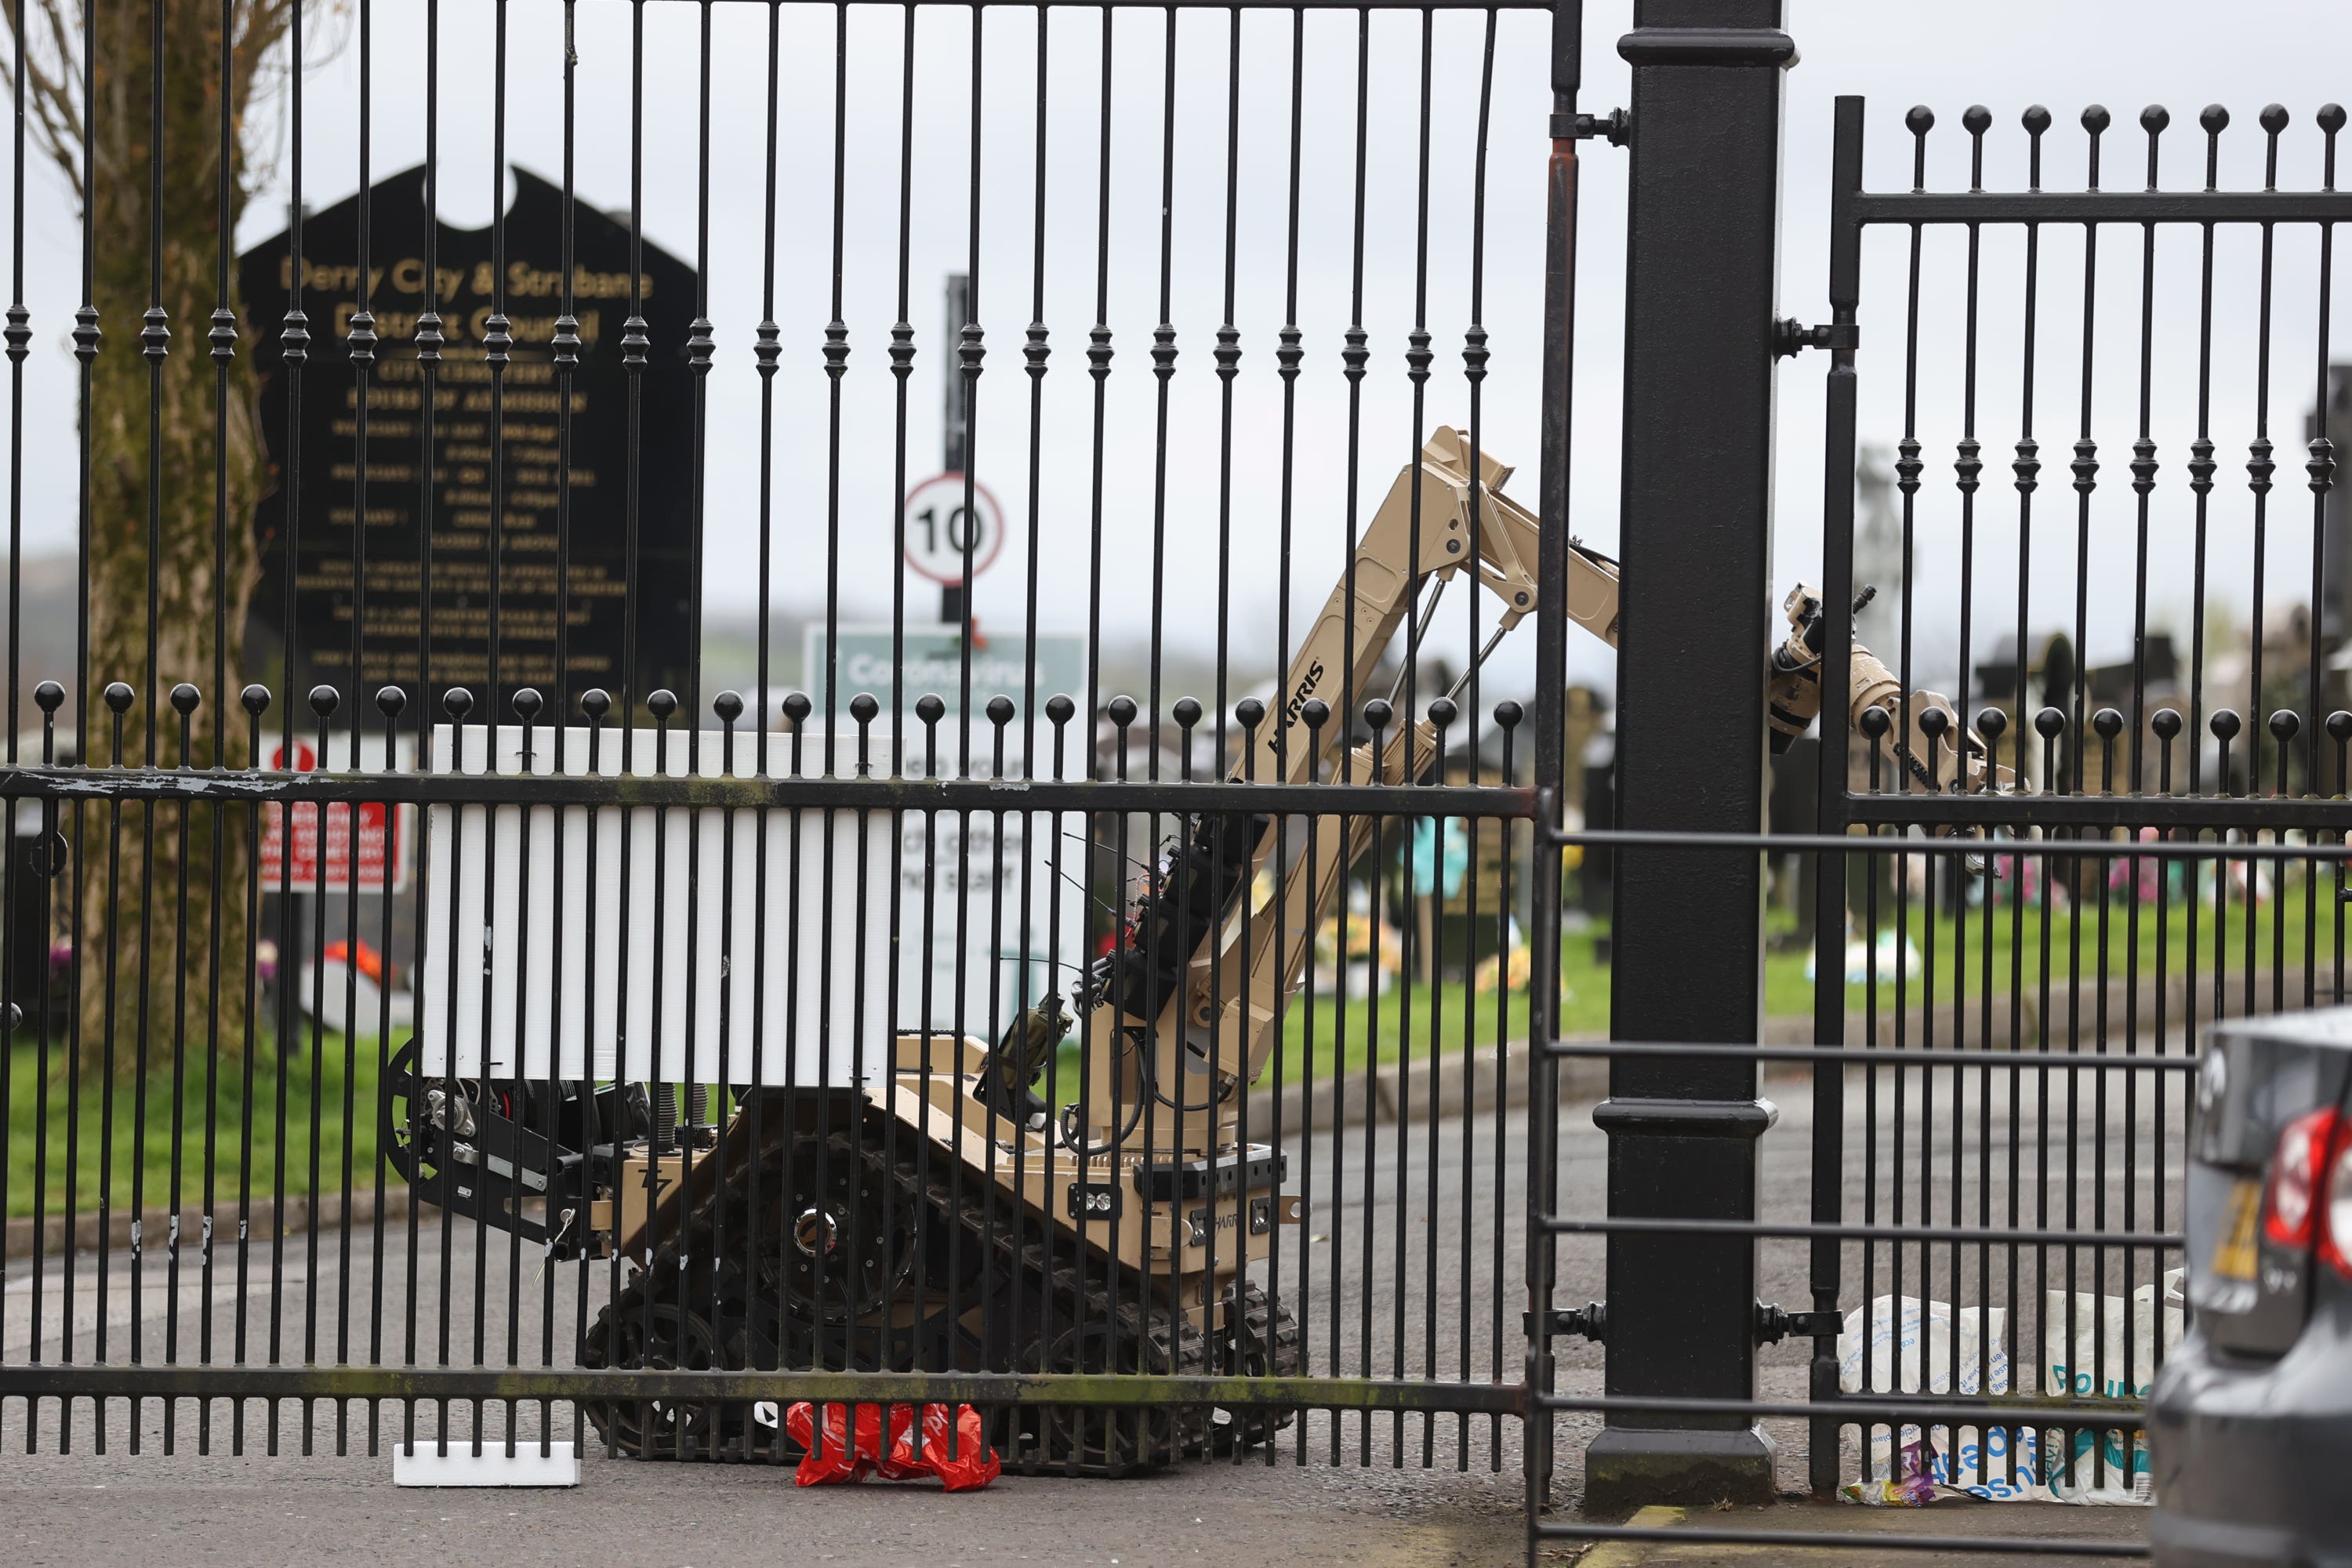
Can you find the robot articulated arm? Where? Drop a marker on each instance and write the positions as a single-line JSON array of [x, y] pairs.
[[1188, 1008], [1937, 753], [1189, 1005], [1461, 522]]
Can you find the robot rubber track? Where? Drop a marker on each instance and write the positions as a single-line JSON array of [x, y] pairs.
[[710, 1300]]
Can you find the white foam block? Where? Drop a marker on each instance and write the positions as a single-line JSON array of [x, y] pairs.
[[426, 1465]]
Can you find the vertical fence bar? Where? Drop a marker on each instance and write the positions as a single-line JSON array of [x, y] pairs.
[[155, 345], [1829, 916], [18, 336], [1550, 711], [1473, 372]]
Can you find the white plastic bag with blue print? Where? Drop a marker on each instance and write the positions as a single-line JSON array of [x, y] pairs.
[[2109, 1466], [1914, 1347]]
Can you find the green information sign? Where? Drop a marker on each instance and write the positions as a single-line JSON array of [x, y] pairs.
[[935, 664]]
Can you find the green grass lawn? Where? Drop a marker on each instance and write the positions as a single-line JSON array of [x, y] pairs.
[[226, 1096], [1320, 1037], [1408, 1018]]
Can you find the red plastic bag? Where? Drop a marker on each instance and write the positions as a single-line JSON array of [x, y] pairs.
[[964, 1463], [852, 1446], [833, 1458]]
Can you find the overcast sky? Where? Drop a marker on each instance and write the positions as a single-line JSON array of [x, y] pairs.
[[2003, 53]]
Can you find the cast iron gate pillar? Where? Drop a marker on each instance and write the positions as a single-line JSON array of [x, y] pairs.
[[1688, 926]]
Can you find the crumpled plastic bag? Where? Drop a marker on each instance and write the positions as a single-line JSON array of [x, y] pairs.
[[1913, 1485], [852, 1445]]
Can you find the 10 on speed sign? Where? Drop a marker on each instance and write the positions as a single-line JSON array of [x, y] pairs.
[[942, 533]]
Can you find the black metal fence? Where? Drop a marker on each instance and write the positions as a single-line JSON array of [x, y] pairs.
[[2115, 956], [372, 1029], [573, 1020]]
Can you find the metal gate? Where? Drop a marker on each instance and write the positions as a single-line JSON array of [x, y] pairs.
[[379, 1010], [1966, 1228], [2236, 775]]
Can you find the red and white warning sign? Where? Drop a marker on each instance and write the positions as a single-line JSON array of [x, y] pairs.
[[324, 853], [944, 535]]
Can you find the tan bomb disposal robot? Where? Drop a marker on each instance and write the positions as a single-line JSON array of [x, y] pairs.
[[940, 1214]]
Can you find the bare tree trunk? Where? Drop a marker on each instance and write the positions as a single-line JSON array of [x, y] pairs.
[[176, 464]]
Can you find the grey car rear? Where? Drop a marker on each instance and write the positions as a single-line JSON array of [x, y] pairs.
[[2251, 1420]]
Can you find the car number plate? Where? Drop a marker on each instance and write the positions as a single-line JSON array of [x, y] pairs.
[[2234, 1256]]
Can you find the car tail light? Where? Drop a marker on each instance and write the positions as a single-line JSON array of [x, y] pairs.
[[2336, 1200], [2298, 1165]]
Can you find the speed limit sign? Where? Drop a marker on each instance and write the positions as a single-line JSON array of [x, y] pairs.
[[943, 533]]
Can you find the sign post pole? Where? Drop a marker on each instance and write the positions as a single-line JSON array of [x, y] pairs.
[[957, 428]]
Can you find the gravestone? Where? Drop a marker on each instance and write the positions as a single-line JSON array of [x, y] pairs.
[[497, 519]]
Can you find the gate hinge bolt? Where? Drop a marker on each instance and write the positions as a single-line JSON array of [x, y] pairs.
[[1773, 1324], [1617, 126], [1590, 1321], [1790, 336]]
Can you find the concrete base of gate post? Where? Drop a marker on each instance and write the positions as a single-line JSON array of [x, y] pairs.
[[1626, 1467]]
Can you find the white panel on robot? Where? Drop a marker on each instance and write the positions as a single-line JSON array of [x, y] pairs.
[[666, 954]]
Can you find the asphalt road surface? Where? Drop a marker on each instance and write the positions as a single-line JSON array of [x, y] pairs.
[[1410, 1263]]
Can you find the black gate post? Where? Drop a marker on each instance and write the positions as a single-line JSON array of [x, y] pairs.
[[1688, 928]]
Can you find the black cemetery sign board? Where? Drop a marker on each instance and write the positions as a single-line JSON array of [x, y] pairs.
[[494, 481]]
